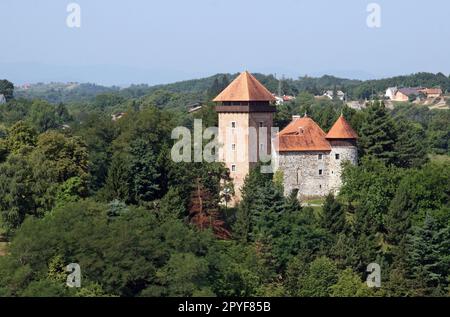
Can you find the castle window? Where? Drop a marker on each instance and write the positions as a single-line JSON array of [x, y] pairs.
[[233, 168], [320, 172], [261, 147], [337, 156], [320, 156], [233, 124], [233, 147], [261, 124], [320, 186]]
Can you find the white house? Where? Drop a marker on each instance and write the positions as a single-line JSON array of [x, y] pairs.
[[390, 92], [330, 94], [2, 99]]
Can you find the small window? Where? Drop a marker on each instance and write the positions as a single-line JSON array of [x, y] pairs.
[[261, 147], [233, 147], [337, 156], [320, 172], [320, 186], [233, 168], [320, 156], [233, 124], [261, 124]]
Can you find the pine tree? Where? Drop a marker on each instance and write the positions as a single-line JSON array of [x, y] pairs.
[[378, 134], [428, 259], [410, 147], [333, 215], [397, 220], [143, 166], [267, 210], [118, 180], [252, 183], [204, 212], [292, 203]]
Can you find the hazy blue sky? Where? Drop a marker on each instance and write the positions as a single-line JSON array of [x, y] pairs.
[[156, 41]]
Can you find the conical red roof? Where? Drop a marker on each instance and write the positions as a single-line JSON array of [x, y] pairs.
[[245, 88], [341, 130]]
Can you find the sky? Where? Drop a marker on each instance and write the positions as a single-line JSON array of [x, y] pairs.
[[159, 41]]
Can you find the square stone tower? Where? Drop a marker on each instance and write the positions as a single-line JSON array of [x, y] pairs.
[[245, 109]]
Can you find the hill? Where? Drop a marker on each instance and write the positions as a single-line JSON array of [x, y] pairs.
[[202, 88]]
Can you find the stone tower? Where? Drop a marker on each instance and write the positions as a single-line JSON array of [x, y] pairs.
[[342, 139], [245, 109]]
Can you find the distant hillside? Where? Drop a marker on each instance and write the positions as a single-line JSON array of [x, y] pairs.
[[62, 92], [203, 87]]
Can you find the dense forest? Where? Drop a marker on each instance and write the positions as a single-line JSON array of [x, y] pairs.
[[77, 187]]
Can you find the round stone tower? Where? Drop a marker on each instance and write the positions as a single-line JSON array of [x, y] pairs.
[[342, 139]]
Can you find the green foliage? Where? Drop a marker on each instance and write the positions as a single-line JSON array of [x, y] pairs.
[[428, 260], [349, 284], [7, 89], [410, 146], [333, 215], [378, 134], [318, 279]]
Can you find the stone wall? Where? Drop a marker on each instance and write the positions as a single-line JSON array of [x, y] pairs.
[[301, 171]]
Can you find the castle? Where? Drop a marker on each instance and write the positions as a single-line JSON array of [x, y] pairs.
[[309, 159]]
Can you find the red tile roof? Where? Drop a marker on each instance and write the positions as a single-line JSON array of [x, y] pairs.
[[432, 91], [341, 130], [245, 88], [302, 134]]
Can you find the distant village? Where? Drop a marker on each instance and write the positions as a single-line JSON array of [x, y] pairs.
[[433, 97]]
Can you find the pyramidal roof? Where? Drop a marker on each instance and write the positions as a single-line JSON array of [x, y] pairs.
[[302, 134], [245, 88], [341, 130]]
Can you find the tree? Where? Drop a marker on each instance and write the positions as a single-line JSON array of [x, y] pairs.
[[333, 215], [378, 134], [7, 89], [204, 212], [319, 279], [371, 186], [253, 181], [68, 156], [144, 184], [397, 220], [172, 205], [118, 181], [427, 259], [349, 284], [16, 191], [184, 275], [410, 146], [20, 135], [43, 116]]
